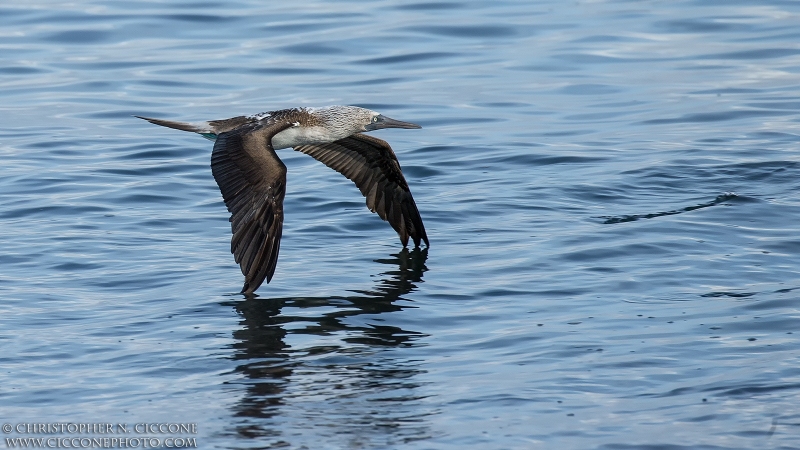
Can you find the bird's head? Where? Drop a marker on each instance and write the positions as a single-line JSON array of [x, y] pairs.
[[378, 121], [359, 120]]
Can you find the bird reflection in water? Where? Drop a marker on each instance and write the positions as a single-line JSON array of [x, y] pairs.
[[337, 377]]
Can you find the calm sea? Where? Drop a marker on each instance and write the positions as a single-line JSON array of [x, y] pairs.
[[611, 190]]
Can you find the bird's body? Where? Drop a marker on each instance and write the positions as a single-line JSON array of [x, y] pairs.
[[252, 178]]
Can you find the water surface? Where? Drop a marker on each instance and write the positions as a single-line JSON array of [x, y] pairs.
[[611, 190]]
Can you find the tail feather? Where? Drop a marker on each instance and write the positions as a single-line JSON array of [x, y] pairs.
[[183, 126]]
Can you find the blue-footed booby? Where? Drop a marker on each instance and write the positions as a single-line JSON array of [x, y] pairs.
[[252, 178]]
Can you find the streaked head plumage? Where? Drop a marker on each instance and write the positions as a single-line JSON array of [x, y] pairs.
[[356, 119]]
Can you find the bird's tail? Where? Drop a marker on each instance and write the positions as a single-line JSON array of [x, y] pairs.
[[193, 127]]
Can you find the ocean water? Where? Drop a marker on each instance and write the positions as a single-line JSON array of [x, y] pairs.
[[611, 190]]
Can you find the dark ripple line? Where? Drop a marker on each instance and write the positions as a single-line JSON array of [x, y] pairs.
[[406, 58], [715, 116], [729, 294], [620, 219], [753, 389]]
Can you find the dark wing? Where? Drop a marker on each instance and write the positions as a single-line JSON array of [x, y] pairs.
[[253, 183], [371, 164]]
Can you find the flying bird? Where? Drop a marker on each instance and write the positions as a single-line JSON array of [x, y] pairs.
[[252, 178]]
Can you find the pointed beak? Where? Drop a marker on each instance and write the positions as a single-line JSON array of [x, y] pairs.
[[385, 122]]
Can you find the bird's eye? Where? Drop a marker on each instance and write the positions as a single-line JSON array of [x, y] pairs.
[[375, 119]]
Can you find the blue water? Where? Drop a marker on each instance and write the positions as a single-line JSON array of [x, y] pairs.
[[611, 190]]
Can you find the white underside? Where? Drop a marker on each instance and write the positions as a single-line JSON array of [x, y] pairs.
[[295, 136]]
